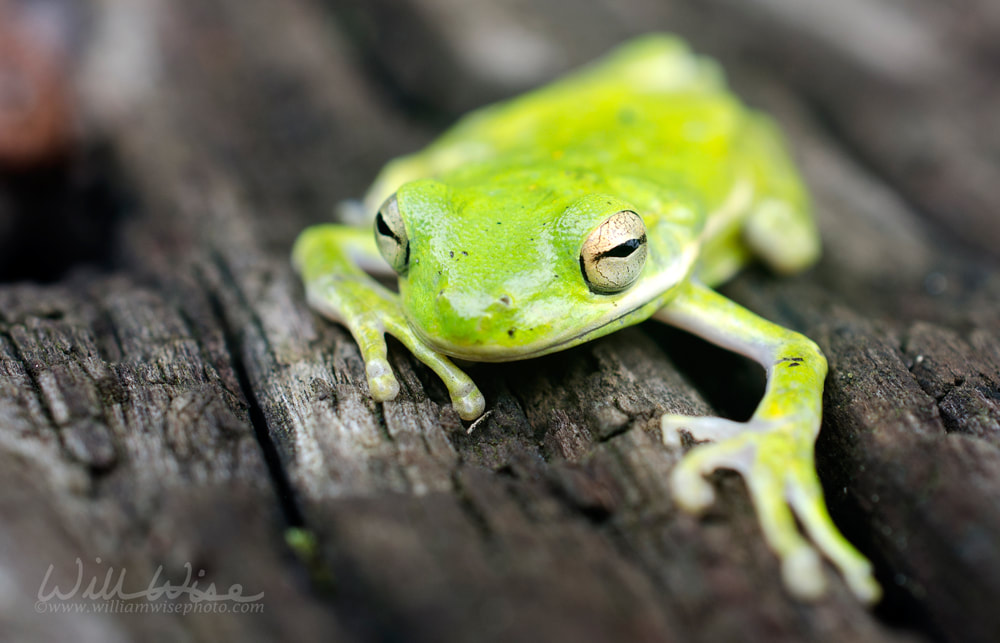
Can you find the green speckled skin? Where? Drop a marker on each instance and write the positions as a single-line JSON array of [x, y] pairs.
[[496, 212]]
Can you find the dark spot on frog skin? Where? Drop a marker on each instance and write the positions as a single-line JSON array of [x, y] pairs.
[[464, 253], [451, 254], [510, 332]]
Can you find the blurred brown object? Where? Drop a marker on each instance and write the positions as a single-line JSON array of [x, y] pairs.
[[36, 99]]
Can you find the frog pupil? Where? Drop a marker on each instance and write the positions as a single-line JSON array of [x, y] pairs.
[[384, 229], [402, 244], [624, 249]]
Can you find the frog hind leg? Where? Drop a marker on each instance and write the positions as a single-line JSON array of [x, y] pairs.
[[779, 227], [655, 62], [659, 62], [329, 259], [721, 257]]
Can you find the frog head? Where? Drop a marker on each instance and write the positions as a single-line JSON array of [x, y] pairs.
[[517, 266]]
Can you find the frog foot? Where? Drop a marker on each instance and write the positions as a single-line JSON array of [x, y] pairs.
[[371, 312], [776, 462], [466, 398]]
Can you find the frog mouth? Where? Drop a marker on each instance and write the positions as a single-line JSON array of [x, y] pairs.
[[499, 353], [487, 352], [632, 307]]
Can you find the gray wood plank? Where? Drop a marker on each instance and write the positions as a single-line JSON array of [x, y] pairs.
[[188, 407]]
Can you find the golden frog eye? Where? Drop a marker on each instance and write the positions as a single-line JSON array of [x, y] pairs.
[[390, 235], [613, 255]]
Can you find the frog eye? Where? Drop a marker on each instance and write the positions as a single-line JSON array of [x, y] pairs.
[[613, 255], [390, 235]]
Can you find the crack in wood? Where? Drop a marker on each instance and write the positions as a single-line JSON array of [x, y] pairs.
[[280, 482]]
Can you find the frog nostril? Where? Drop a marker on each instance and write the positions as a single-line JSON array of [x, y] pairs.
[[505, 300]]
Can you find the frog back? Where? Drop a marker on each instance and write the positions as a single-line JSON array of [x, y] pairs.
[[650, 103]]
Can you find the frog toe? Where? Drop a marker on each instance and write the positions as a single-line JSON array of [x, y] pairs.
[[702, 429], [690, 489], [802, 573], [468, 401], [806, 500], [381, 382], [466, 398], [861, 580]]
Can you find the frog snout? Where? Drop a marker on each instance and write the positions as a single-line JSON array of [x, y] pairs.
[[478, 321], [473, 323], [496, 314]]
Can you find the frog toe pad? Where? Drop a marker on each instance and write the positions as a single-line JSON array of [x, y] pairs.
[[381, 382], [802, 573], [468, 402]]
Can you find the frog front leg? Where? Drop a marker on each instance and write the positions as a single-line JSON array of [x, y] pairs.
[[329, 257], [773, 451]]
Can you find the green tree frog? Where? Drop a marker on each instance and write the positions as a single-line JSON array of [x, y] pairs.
[[619, 193]]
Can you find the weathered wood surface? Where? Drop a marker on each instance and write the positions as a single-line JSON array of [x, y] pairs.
[[167, 397]]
